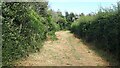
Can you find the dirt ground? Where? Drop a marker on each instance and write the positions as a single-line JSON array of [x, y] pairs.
[[66, 51]]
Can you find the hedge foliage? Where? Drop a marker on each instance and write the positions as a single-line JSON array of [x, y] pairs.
[[102, 28], [24, 29]]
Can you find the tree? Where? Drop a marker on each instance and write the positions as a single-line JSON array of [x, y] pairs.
[[82, 14], [72, 17]]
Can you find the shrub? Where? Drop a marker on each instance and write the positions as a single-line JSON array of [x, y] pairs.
[[102, 29], [23, 30]]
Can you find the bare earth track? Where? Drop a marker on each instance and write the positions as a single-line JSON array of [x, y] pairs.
[[66, 51]]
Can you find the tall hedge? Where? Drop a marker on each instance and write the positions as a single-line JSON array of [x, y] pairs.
[[24, 29], [102, 28]]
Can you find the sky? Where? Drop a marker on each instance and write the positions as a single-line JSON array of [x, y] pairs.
[[80, 6]]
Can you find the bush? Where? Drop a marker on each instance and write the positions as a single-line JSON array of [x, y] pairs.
[[23, 30], [102, 29]]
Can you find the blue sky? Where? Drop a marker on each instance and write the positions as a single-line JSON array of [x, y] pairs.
[[80, 6]]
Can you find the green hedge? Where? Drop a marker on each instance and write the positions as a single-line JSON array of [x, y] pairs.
[[23, 30], [102, 29]]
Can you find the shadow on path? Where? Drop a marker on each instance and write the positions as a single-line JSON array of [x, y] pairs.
[[107, 57]]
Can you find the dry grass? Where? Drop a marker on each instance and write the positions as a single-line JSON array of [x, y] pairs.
[[66, 51]]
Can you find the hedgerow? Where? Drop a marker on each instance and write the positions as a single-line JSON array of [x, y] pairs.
[[24, 29], [102, 28]]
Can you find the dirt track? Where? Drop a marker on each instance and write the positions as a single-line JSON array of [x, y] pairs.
[[66, 51]]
